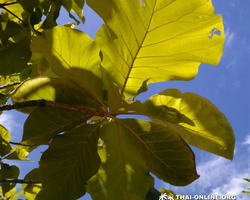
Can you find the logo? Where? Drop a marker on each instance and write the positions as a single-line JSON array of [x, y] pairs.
[[214, 31], [164, 196]]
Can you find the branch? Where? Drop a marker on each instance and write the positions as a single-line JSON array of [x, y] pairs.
[[42, 103], [7, 4], [19, 181], [9, 85], [12, 14], [27, 145]]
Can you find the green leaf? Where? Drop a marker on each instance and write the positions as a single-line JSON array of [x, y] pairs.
[[14, 196], [74, 55], [5, 147], [73, 17], [163, 40], [15, 53], [52, 89], [45, 123], [70, 161], [246, 179], [16, 9], [52, 10], [3, 100], [8, 29], [8, 195], [118, 104], [28, 5], [25, 74], [210, 130], [122, 174], [44, 69], [75, 5], [166, 154], [31, 190], [18, 153], [8, 172]]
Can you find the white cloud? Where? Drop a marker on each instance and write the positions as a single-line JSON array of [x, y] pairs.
[[236, 85], [231, 64], [8, 120], [232, 4], [247, 140], [229, 37], [221, 176]]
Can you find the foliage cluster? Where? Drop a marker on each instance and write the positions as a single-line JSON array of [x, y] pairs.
[[74, 89]]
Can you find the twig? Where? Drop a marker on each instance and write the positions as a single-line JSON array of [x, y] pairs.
[[7, 4], [27, 145], [9, 85], [19, 181], [13, 14], [43, 103]]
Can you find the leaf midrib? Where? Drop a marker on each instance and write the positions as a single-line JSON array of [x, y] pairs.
[[139, 48]]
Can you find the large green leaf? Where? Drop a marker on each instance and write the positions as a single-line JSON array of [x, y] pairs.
[[15, 54], [52, 89], [69, 163], [8, 172], [44, 123], [162, 40], [5, 147], [209, 130], [122, 174], [166, 154], [72, 54]]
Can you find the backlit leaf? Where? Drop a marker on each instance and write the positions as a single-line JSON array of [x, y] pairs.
[[52, 89], [31, 190], [17, 9], [8, 172], [72, 54], [209, 130], [166, 154], [123, 173], [18, 153], [5, 147], [162, 40]]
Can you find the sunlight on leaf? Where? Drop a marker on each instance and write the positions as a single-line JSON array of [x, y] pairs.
[[166, 154], [5, 137], [210, 130], [74, 55], [162, 40], [31, 190], [122, 173], [8, 172], [52, 89]]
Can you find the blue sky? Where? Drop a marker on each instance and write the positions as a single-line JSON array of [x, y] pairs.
[[226, 85]]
